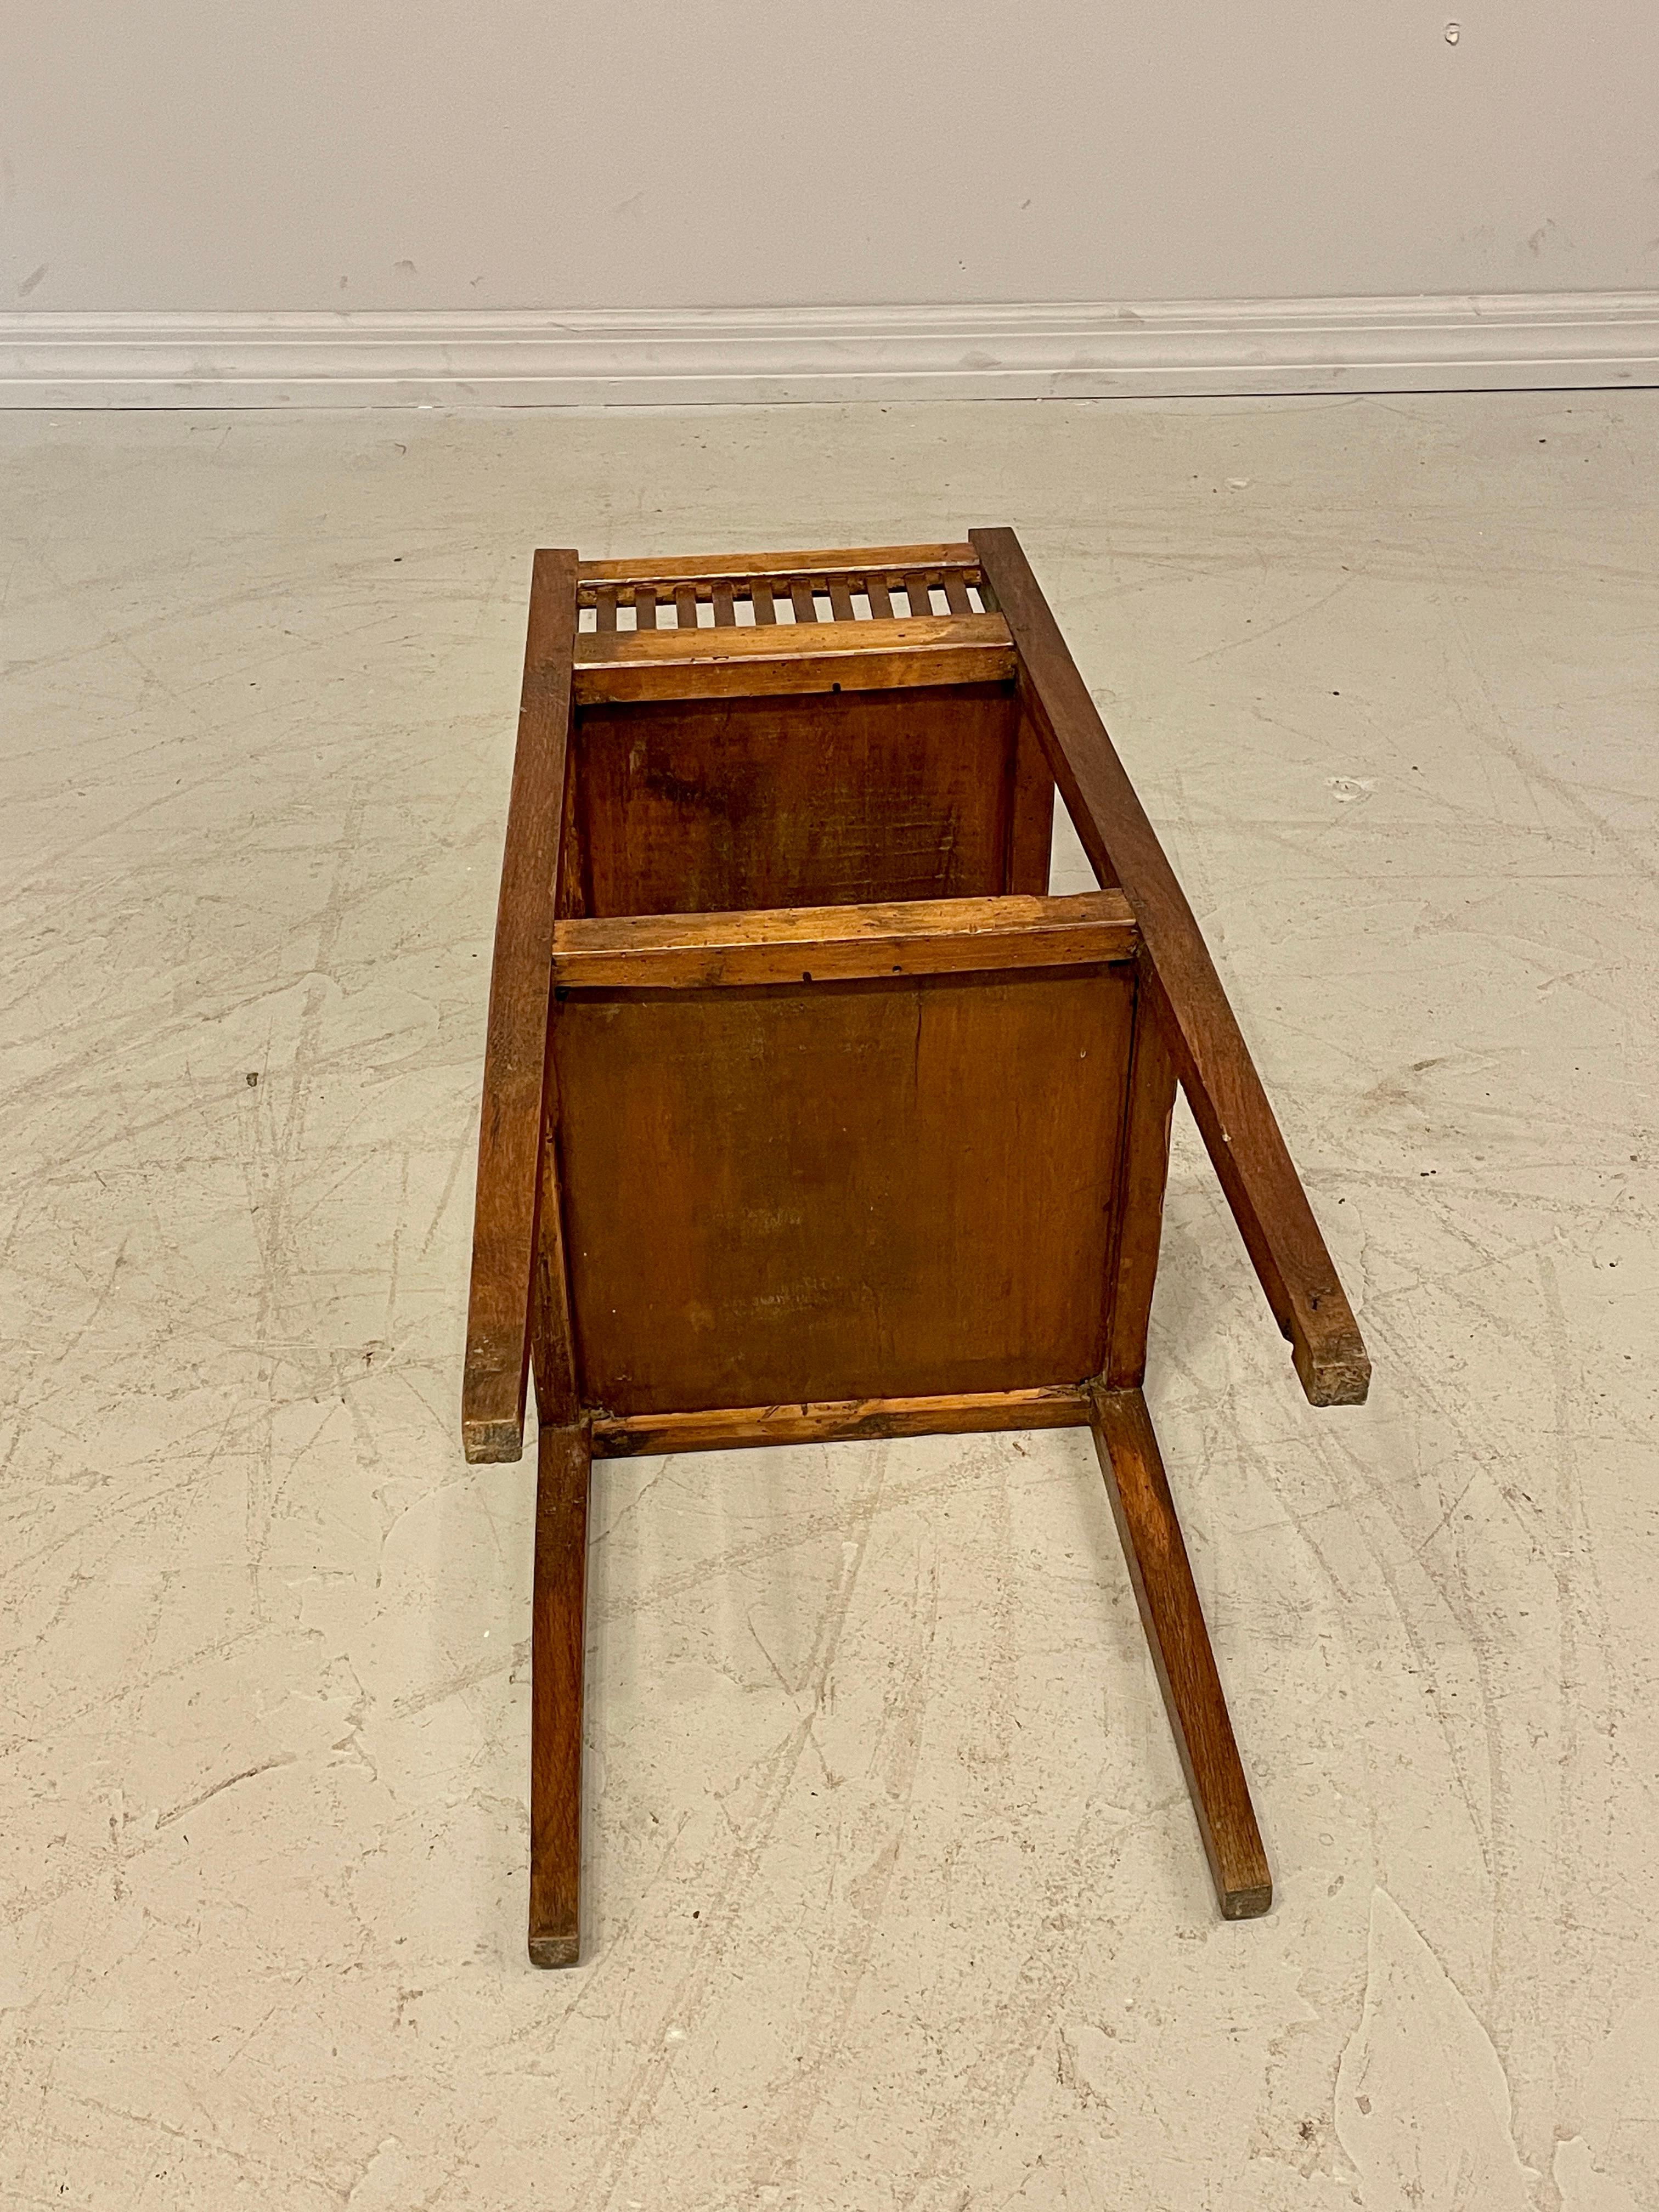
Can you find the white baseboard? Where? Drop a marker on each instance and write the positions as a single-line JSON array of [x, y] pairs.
[[693, 356]]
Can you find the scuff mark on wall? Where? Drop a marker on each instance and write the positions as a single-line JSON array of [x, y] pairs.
[[1548, 238]]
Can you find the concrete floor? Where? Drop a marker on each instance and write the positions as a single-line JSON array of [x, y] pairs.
[[897, 1898]]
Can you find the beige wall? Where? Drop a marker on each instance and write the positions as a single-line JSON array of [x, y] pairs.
[[419, 154]]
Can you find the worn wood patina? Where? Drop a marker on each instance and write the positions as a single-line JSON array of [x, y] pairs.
[[808, 1114]]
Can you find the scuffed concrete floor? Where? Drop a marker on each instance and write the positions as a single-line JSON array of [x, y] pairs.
[[897, 1898]]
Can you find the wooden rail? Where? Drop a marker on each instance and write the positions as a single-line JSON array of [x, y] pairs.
[[800, 656], [808, 945], [515, 1044], [1211, 1057], [736, 1428], [884, 563]]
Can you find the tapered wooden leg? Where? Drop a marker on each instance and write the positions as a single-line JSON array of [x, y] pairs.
[[1169, 1612], [558, 1643]]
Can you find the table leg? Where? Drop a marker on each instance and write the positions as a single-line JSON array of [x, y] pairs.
[[1174, 1622], [558, 1642]]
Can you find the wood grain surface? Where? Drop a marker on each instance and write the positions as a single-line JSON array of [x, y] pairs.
[[806, 945], [1030, 811], [1162, 1574], [844, 560], [894, 1188], [772, 658], [1140, 1200], [557, 1650], [515, 1045], [710, 807], [735, 1428]]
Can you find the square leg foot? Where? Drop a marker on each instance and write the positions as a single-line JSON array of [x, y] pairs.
[[555, 1950]]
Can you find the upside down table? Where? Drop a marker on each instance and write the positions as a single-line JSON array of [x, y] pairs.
[[809, 1113]]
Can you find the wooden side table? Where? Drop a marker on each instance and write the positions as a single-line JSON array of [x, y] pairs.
[[809, 1113]]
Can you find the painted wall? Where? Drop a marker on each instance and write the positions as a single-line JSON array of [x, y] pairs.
[[423, 154]]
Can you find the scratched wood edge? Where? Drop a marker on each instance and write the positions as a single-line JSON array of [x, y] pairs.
[[852, 960], [794, 945], [1229, 1103], [623, 648], [626, 666], [498, 1333], [836, 561], [801, 676], [735, 1428]]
